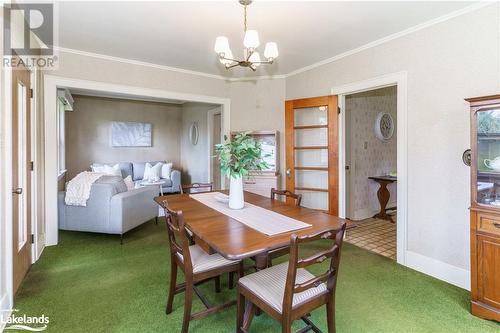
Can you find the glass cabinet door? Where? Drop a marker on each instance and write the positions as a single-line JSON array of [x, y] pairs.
[[488, 157]]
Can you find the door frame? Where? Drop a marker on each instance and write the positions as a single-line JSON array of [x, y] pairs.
[[210, 125], [400, 80], [50, 85]]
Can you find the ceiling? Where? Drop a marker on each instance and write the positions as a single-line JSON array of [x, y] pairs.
[[182, 34]]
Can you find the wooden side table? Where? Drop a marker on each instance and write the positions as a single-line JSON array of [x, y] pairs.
[[383, 195]]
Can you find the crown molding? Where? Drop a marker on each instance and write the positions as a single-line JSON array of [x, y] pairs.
[[389, 38], [375, 43]]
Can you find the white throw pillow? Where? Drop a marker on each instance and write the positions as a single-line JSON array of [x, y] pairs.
[[166, 170], [152, 172], [113, 170], [129, 182], [107, 169]]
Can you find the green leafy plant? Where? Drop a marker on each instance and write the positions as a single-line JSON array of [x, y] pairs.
[[240, 155]]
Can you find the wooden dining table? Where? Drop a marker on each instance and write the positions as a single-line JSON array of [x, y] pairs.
[[215, 232]]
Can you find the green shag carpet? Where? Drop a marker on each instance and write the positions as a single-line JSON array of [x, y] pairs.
[[91, 283]]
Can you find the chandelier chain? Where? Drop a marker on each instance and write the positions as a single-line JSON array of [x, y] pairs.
[[245, 21]]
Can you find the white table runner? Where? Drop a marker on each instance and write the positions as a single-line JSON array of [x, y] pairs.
[[255, 217]]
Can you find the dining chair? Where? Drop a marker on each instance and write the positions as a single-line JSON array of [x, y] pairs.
[[287, 194], [282, 250], [288, 291], [197, 188], [198, 267]]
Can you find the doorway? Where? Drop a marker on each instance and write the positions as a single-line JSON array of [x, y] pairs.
[[370, 169], [21, 174]]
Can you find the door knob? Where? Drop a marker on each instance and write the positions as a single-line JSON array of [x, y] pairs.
[[17, 190], [289, 173]]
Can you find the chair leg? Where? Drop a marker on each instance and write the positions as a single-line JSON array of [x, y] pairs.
[[121, 239], [231, 280], [330, 316], [240, 312], [171, 292], [188, 296], [156, 219], [217, 284]]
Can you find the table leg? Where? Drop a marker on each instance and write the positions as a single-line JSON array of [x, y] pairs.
[[383, 195], [251, 309]]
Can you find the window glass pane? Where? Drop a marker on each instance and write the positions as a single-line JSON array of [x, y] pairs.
[[311, 116], [311, 179], [314, 200], [311, 137], [21, 164], [311, 158], [488, 157]]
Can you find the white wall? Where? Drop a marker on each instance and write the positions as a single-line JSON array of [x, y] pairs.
[[194, 158], [445, 63]]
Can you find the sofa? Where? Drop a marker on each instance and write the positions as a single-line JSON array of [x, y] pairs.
[[136, 170], [110, 209]]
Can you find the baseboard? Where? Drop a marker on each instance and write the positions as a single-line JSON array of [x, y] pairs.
[[440, 270], [5, 310]]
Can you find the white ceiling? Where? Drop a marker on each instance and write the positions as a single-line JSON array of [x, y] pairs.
[[182, 34]]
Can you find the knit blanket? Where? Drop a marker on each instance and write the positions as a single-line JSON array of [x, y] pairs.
[[78, 189]]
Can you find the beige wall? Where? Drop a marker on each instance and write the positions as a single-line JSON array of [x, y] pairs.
[[445, 63], [194, 158], [88, 132], [260, 105], [369, 155]]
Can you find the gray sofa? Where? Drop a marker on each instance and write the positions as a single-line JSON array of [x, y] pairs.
[[136, 170], [110, 209]]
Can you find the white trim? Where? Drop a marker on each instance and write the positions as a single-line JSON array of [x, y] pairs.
[[396, 35], [51, 83], [210, 125], [400, 79], [452, 274], [364, 47], [6, 178], [5, 310]]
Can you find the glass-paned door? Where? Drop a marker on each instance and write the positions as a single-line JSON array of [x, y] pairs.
[[312, 151]]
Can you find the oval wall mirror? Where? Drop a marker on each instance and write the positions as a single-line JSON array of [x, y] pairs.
[[194, 133]]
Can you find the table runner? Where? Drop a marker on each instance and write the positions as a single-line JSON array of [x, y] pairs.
[[263, 220]]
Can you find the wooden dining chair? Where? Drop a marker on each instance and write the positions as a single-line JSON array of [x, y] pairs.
[[287, 194], [198, 267], [288, 291], [283, 250], [197, 188]]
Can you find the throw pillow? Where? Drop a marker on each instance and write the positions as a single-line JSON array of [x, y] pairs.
[[166, 170], [113, 170], [152, 172], [129, 182], [97, 168]]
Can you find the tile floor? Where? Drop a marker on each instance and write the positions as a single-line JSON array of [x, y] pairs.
[[374, 235]]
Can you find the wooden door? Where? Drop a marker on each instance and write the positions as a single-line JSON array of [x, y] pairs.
[[21, 174], [311, 134]]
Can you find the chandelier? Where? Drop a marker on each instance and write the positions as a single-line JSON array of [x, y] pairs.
[[251, 43]]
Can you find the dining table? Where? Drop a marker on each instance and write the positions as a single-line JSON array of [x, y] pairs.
[[216, 232]]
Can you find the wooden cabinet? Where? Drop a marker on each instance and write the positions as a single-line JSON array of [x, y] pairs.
[[262, 182], [485, 207]]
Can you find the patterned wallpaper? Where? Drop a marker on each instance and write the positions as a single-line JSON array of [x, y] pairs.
[[369, 155]]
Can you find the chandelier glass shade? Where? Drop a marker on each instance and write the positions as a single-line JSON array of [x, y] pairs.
[[251, 42]]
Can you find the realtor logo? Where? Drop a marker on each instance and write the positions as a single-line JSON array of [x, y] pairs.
[[29, 35], [11, 321]]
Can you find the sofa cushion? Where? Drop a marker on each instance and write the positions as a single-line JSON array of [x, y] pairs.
[[125, 167], [115, 181], [138, 168]]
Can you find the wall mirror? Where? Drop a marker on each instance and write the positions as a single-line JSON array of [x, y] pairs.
[[194, 133]]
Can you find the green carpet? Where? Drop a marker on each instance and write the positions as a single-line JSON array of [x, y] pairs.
[[89, 283]]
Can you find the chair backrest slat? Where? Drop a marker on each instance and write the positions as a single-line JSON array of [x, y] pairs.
[[335, 236], [287, 194], [197, 188]]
